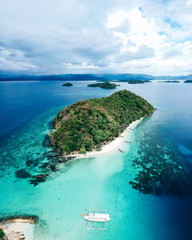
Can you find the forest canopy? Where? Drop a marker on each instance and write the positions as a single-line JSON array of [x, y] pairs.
[[105, 85], [88, 124]]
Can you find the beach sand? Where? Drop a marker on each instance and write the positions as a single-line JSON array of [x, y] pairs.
[[19, 230]]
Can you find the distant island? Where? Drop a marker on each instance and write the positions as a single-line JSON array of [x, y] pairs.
[[137, 81], [89, 124], [172, 81], [105, 85], [188, 81], [169, 81], [67, 84]]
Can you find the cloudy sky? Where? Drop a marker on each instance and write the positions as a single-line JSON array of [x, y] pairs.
[[85, 36]]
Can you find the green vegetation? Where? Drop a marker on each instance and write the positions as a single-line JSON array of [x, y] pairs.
[[188, 81], [2, 234], [67, 85], [88, 124], [137, 81], [172, 81], [106, 85], [169, 81]]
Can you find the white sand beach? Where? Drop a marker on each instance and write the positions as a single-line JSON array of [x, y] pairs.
[[18, 230]]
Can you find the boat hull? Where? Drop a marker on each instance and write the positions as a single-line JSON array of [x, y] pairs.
[[95, 217]]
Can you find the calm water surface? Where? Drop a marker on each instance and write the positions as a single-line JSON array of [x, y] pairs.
[[163, 142]]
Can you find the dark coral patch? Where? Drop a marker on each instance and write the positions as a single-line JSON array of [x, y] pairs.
[[22, 173]]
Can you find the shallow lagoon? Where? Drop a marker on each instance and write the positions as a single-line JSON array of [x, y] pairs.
[[103, 182]]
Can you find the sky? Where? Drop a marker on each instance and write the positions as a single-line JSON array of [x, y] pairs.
[[85, 36]]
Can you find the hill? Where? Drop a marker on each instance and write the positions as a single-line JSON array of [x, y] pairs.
[[67, 85], [188, 81], [88, 124]]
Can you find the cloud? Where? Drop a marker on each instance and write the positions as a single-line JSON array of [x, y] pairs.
[[143, 52], [172, 23], [46, 37], [82, 66], [11, 59]]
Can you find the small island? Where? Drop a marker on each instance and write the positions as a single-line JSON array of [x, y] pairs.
[[188, 81], [137, 81], [67, 85], [10, 230], [89, 124], [169, 81], [105, 85], [173, 81]]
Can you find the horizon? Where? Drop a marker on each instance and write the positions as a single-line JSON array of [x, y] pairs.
[[15, 75]]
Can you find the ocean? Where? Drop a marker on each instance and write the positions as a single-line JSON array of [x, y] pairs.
[[146, 190]]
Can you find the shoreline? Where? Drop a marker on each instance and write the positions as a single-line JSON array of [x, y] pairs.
[[21, 219], [17, 228], [109, 147]]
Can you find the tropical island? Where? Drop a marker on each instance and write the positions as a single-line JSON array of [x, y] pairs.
[[172, 81], [169, 81], [137, 81], [9, 226], [105, 85], [188, 81], [89, 124], [67, 84]]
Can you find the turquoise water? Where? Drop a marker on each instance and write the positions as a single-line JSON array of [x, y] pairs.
[[159, 208]]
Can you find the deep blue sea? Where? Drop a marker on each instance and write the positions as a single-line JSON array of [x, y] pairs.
[[147, 190]]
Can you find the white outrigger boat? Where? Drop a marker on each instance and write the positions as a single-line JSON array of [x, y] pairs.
[[96, 216]]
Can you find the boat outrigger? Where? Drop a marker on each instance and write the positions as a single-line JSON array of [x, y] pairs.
[[96, 216]]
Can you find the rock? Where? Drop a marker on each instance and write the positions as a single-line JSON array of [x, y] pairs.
[[46, 142]]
